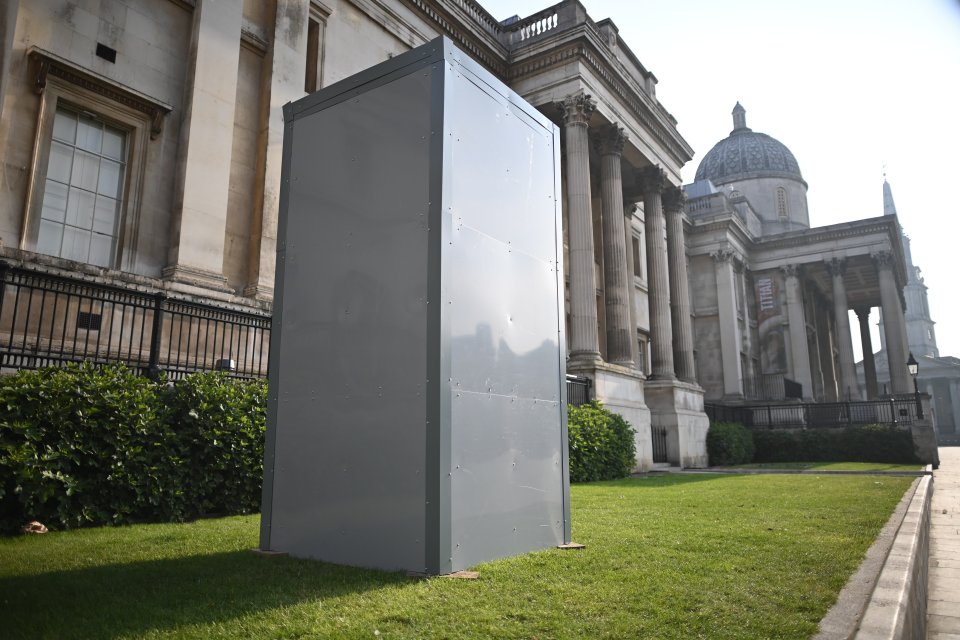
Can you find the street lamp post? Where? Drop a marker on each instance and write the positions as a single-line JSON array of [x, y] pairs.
[[914, 368]]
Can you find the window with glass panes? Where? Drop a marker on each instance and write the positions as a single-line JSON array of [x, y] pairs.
[[83, 193]]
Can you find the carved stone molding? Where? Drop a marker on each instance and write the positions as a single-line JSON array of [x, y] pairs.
[[652, 178], [723, 255], [49, 64], [576, 109], [610, 140], [674, 199], [791, 270], [836, 267], [883, 259]]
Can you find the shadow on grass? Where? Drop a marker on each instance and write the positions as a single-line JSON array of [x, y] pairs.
[[136, 598]]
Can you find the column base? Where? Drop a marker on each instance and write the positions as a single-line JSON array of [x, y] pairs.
[[196, 277], [678, 407], [583, 361], [620, 389], [258, 292]]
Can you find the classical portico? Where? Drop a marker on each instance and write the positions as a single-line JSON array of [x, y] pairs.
[[771, 296], [608, 306]]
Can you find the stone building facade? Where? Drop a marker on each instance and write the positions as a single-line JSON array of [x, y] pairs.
[[938, 376], [772, 296], [141, 141]]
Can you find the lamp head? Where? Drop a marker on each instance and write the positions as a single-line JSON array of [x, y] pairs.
[[912, 365]]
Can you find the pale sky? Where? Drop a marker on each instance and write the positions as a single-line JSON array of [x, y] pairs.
[[849, 86]]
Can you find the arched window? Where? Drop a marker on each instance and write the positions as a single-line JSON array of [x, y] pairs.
[[782, 203]]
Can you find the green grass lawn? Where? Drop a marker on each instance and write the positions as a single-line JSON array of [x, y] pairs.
[[833, 466], [705, 556]]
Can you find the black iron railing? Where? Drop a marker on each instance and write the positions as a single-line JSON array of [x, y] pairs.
[[578, 390], [658, 436], [48, 319], [896, 410]]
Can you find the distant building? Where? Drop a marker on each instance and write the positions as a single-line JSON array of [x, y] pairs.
[[939, 376], [770, 295]]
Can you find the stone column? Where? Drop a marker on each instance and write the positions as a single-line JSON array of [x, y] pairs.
[[750, 381], [584, 341], [841, 318], [653, 180], [893, 323], [799, 349], [620, 334], [673, 201], [206, 145], [729, 327], [631, 287], [866, 345], [284, 69]]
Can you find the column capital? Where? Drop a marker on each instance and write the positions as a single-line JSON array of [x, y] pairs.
[[791, 270], [674, 199], [610, 140], [652, 179], [836, 267], [576, 109], [883, 259], [725, 255], [862, 312]]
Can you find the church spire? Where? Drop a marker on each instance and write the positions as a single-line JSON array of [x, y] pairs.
[[739, 118], [889, 209]]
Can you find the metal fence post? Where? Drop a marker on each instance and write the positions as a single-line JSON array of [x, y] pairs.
[[4, 268], [153, 368]]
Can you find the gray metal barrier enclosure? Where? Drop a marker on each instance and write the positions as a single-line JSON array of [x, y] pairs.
[[417, 408]]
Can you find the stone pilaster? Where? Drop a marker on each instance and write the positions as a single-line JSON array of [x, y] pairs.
[[729, 327], [576, 110], [894, 324], [673, 201], [799, 349], [866, 345], [620, 334], [206, 145], [653, 181], [285, 67], [8, 25], [841, 317]]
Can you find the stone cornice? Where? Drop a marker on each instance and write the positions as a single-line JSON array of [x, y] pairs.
[[731, 224], [493, 45], [826, 234], [583, 50], [491, 53]]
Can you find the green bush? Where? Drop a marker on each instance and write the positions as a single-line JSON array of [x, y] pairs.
[[729, 443], [601, 443], [86, 445], [220, 425], [866, 443]]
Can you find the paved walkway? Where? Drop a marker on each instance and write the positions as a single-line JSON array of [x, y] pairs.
[[943, 599]]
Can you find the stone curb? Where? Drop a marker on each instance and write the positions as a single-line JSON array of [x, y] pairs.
[[898, 605]]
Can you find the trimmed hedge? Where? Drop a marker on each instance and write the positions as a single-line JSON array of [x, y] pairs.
[[86, 445], [729, 443], [601, 443], [868, 443]]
